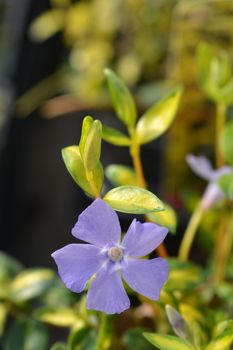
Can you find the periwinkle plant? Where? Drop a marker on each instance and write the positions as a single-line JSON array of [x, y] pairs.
[[131, 195], [105, 258], [111, 267]]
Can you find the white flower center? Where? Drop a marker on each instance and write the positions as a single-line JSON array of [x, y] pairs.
[[115, 254]]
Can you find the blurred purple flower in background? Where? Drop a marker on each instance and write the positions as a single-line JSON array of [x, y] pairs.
[[202, 167], [107, 259]]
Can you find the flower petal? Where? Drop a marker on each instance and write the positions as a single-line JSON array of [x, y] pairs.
[[98, 225], [223, 170], [77, 263], [141, 239], [212, 195], [146, 276], [107, 294], [201, 166]]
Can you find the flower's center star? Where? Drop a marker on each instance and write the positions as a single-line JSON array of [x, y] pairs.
[[115, 254]]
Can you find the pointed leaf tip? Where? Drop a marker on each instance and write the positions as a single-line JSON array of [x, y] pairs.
[[92, 147], [157, 119], [177, 322], [86, 125], [168, 342], [122, 99]]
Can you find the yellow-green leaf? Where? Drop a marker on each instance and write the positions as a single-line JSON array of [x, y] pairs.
[[31, 283], [122, 99], [9, 267], [158, 118], [204, 57], [121, 175], [225, 182], [59, 346], [60, 317], [47, 24], [191, 315], [168, 342], [74, 164], [183, 276], [221, 342], [3, 316], [115, 137], [165, 218], [133, 199], [92, 147], [227, 142], [87, 123], [222, 327]]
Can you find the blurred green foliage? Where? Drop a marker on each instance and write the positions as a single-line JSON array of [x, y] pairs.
[[152, 45]]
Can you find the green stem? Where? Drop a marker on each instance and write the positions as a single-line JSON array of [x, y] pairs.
[[135, 154], [190, 233], [224, 246], [220, 124], [104, 337]]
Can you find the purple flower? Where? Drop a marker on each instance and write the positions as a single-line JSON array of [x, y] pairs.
[[202, 167], [108, 259]]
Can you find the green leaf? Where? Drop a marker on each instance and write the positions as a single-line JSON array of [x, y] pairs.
[[87, 123], [59, 346], [3, 317], [226, 184], [177, 322], [165, 218], [158, 118], [36, 337], [74, 164], [82, 338], [227, 142], [134, 340], [215, 74], [192, 315], [60, 317], [121, 175], [205, 58], [31, 283], [133, 199], [58, 294], [183, 276], [168, 342], [122, 99], [222, 341], [200, 338], [92, 147], [9, 268], [89, 342], [77, 335], [26, 335], [226, 95], [223, 326], [221, 69], [98, 176], [115, 137]]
